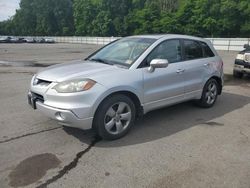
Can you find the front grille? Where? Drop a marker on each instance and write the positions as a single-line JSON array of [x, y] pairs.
[[37, 97], [41, 82], [247, 58], [247, 66]]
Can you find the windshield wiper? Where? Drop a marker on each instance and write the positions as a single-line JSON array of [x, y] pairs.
[[101, 61]]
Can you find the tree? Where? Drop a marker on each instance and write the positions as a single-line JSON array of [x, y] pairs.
[[43, 17], [244, 10], [205, 18], [118, 10], [84, 14], [102, 24]]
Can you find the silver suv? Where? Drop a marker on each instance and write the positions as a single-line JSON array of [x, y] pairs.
[[128, 78]]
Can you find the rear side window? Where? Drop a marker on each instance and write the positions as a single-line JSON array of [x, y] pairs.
[[206, 50], [192, 50]]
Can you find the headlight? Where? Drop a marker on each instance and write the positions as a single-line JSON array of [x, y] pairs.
[[34, 80], [240, 57], [74, 86]]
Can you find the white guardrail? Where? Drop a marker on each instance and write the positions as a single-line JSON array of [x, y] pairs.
[[228, 44], [85, 40]]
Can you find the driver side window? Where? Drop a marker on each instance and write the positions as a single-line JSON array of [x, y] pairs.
[[170, 50]]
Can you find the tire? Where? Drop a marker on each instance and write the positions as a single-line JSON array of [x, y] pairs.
[[237, 74], [209, 94], [114, 117]]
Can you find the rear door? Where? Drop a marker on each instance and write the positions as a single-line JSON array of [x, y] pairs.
[[196, 67]]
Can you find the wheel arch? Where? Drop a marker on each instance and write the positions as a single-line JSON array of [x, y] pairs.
[[220, 83], [132, 95]]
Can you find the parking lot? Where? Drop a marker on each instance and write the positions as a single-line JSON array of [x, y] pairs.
[[178, 146]]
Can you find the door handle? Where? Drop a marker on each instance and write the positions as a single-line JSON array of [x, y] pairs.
[[180, 71], [206, 64]]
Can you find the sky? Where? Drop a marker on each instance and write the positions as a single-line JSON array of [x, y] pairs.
[[8, 8]]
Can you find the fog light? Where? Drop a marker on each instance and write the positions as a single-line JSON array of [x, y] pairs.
[[59, 116]]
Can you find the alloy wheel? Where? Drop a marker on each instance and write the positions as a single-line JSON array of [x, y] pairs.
[[117, 118], [211, 93]]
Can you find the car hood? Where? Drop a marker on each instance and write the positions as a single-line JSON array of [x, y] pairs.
[[245, 51], [75, 70]]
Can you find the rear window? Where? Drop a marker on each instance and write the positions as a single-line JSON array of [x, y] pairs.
[[193, 50], [206, 50]]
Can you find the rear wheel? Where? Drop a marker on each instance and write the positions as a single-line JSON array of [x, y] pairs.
[[237, 74], [209, 94], [114, 117]]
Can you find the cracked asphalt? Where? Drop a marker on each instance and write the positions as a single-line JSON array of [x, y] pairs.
[[178, 146]]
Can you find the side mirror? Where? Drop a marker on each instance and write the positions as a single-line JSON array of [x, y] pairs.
[[158, 63], [246, 46]]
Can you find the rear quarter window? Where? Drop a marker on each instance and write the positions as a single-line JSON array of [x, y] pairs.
[[207, 52]]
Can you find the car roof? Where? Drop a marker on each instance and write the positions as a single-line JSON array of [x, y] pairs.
[[176, 36], [160, 36]]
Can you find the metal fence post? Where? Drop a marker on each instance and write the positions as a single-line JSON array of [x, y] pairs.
[[229, 43]]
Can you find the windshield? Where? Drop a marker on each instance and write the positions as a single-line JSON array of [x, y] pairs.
[[122, 52]]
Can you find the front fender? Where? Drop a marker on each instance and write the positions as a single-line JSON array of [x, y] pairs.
[[116, 90]]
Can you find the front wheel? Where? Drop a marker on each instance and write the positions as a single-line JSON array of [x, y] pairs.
[[209, 94], [114, 117]]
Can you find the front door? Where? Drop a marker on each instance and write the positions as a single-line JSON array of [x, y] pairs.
[[164, 86]]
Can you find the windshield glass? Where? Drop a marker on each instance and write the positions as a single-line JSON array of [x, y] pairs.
[[122, 52]]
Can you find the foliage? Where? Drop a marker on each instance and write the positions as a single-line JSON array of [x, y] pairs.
[[41, 17], [206, 18]]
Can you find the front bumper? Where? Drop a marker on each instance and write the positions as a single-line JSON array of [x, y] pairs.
[[242, 69], [242, 66], [69, 109], [65, 117]]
